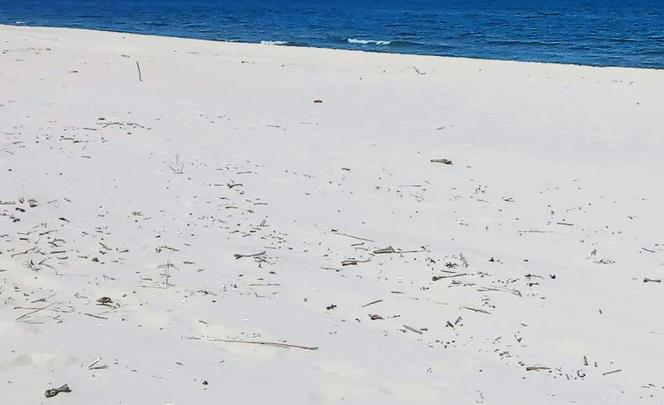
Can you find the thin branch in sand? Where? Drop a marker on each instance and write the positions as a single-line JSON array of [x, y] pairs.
[[484, 311], [140, 76], [94, 316], [371, 303], [436, 278], [43, 299], [91, 365], [386, 250], [254, 342], [240, 255], [537, 368], [390, 249], [353, 262], [34, 311], [410, 328], [611, 372], [334, 231]]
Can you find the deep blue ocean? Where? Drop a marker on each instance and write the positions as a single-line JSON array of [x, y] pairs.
[[589, 32]]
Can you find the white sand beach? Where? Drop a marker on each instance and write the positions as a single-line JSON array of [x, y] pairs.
[[185, 226]]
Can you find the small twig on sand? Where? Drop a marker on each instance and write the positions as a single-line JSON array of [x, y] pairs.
[[43, 299], [353, 262], [254, 342], [436, 278], [350, 236], [35, 311], [535, 231], [443, 161], [477, 310], [94, 316], [240, 255], [652, 280], [611, 372], [91, 365], [410, 328], [537, 368], [390, 249], [140, 76], [371, 303]]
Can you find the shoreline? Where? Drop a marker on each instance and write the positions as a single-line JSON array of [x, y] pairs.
[[371, 52]]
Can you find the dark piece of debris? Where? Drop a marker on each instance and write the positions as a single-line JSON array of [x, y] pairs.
[[51, 392]]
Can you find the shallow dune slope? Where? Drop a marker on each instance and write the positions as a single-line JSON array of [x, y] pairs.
[[261, 224]]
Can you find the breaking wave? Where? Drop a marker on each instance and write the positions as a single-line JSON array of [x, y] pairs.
[[275, 43], [368, 42]]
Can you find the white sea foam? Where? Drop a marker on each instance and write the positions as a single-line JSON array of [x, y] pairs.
[[274, 42], [368, 42]]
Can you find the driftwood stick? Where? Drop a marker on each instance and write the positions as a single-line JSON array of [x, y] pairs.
[[91, 365], [611, 372], [254, 342], [390, 249], [34, 311], [386, 250], [240, 255], [371, 303], [436, 278], [334, 231], [140, 76], [410, 328], [537, 368], [478, 310], [94, 316]]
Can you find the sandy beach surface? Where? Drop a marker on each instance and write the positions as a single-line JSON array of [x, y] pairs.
[[259, 224]]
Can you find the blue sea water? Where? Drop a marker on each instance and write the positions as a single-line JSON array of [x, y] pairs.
[[590, 32]]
